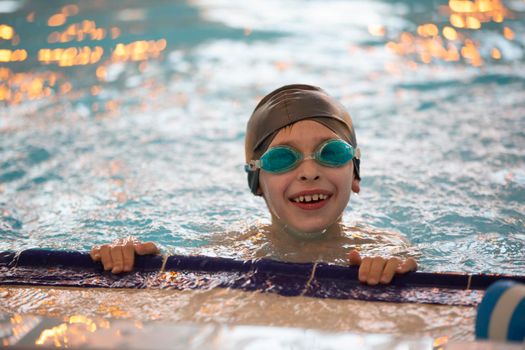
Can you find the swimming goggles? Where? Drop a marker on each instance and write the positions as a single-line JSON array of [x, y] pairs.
[[332, 153]]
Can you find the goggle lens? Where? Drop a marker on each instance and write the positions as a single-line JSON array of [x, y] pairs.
[[335, 153], [280, 159]]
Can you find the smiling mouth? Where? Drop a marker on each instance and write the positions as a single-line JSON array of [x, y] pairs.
[[310, 199]]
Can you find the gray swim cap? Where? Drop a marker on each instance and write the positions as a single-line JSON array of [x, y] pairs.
[[290, 104]]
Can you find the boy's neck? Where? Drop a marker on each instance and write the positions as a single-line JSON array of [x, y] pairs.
[[280, 228]]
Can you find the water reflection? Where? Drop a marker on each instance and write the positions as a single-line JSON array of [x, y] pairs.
[[6, 32], [160, 86], [99, 49], [77, 39], [14, 328], [70, 333]]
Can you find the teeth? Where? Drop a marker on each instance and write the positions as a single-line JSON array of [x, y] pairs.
[[309, 198]]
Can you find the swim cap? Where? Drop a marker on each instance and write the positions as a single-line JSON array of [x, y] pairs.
[[290, 104]]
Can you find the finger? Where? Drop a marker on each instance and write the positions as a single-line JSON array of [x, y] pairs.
[[128, 253], [105, 257], [129, 239], [146, 248], [390, 270], [364, 269], [118, 259], [378, 264], [354, 257], [409, 264], [95, 253]]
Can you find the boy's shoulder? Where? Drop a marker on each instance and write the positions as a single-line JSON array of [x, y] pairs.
[[381, 242]]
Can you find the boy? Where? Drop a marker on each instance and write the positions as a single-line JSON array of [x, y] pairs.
[[302, 158]]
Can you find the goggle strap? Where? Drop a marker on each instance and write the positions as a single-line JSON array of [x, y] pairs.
[[253, 165]]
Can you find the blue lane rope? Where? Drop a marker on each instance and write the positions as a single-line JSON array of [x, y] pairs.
[[43, 267]]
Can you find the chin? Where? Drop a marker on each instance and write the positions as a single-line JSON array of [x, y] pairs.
[[312, 228]]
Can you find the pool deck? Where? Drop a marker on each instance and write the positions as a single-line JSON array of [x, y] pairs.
[[29, 332]]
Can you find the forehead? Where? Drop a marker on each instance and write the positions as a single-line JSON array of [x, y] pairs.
[[303, 133]]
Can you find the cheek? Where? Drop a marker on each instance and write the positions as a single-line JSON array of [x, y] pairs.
[[342, 178], [273, 186]]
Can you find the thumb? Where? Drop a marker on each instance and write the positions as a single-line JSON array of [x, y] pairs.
[[354, 257]]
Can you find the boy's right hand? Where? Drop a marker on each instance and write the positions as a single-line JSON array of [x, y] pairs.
[[374, 270], [120, 255]]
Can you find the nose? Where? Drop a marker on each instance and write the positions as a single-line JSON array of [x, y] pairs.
[[308, 170]]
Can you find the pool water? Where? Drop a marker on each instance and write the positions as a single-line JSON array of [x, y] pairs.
[[148, 140]]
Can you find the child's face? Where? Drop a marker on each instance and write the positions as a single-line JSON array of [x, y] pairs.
[[309, 178]]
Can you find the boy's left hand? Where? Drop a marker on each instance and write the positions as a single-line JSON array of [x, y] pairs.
[[374, 270], [119, 256]]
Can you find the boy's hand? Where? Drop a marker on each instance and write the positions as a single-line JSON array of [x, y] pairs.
[[120, 255], [374, 270]]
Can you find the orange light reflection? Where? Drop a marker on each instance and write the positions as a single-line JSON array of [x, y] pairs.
[[70, 10], [376, 29], [30, 17], [78, 32], [71, 56], [13, 56], [450, 33], [495, 54], [428, 45], [70, 333], [6, 32], [57, 20], [15, 87], [508, 33], [138, 50], [471, 14]]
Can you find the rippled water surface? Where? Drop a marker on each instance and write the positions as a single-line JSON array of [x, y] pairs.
[[139, 129]]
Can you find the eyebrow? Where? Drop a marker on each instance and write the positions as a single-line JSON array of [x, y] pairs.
[[294, 142]]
